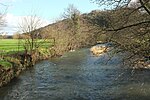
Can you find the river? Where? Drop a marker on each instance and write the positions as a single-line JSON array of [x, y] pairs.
[[79, 76]]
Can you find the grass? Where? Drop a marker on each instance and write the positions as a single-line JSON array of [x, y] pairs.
[[7, 45], [5, 64], [11, 46]]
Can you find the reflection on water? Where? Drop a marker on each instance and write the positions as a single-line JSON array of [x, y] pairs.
[[79, 76]]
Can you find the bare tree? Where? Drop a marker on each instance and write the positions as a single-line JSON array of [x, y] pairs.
[[31, 34], [2, 15], [28, 27], [72, 16], [1, 20]]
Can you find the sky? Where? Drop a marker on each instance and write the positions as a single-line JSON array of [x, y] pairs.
[[48, 10]]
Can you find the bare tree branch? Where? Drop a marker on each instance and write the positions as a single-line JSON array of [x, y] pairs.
[[135, 24], [143, 5]]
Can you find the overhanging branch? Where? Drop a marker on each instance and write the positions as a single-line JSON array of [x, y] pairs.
[[143, 5], [124, 27]]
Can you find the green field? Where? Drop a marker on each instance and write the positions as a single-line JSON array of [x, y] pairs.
[[9, 46]]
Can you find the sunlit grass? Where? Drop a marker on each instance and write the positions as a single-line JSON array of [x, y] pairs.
[[5, 64], [11, 46]]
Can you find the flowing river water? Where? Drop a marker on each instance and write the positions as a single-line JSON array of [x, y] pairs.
[[79, 76]]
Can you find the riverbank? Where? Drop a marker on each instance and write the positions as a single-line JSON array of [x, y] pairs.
[[102, 48], [13, 64]]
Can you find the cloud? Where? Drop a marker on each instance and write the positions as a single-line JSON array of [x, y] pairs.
[[13, 21]]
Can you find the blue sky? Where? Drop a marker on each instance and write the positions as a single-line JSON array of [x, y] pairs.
[[48, 10]]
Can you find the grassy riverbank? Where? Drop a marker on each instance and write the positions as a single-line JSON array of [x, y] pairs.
[[13, 59]]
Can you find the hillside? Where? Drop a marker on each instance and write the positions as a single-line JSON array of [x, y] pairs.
[[67, 36]]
